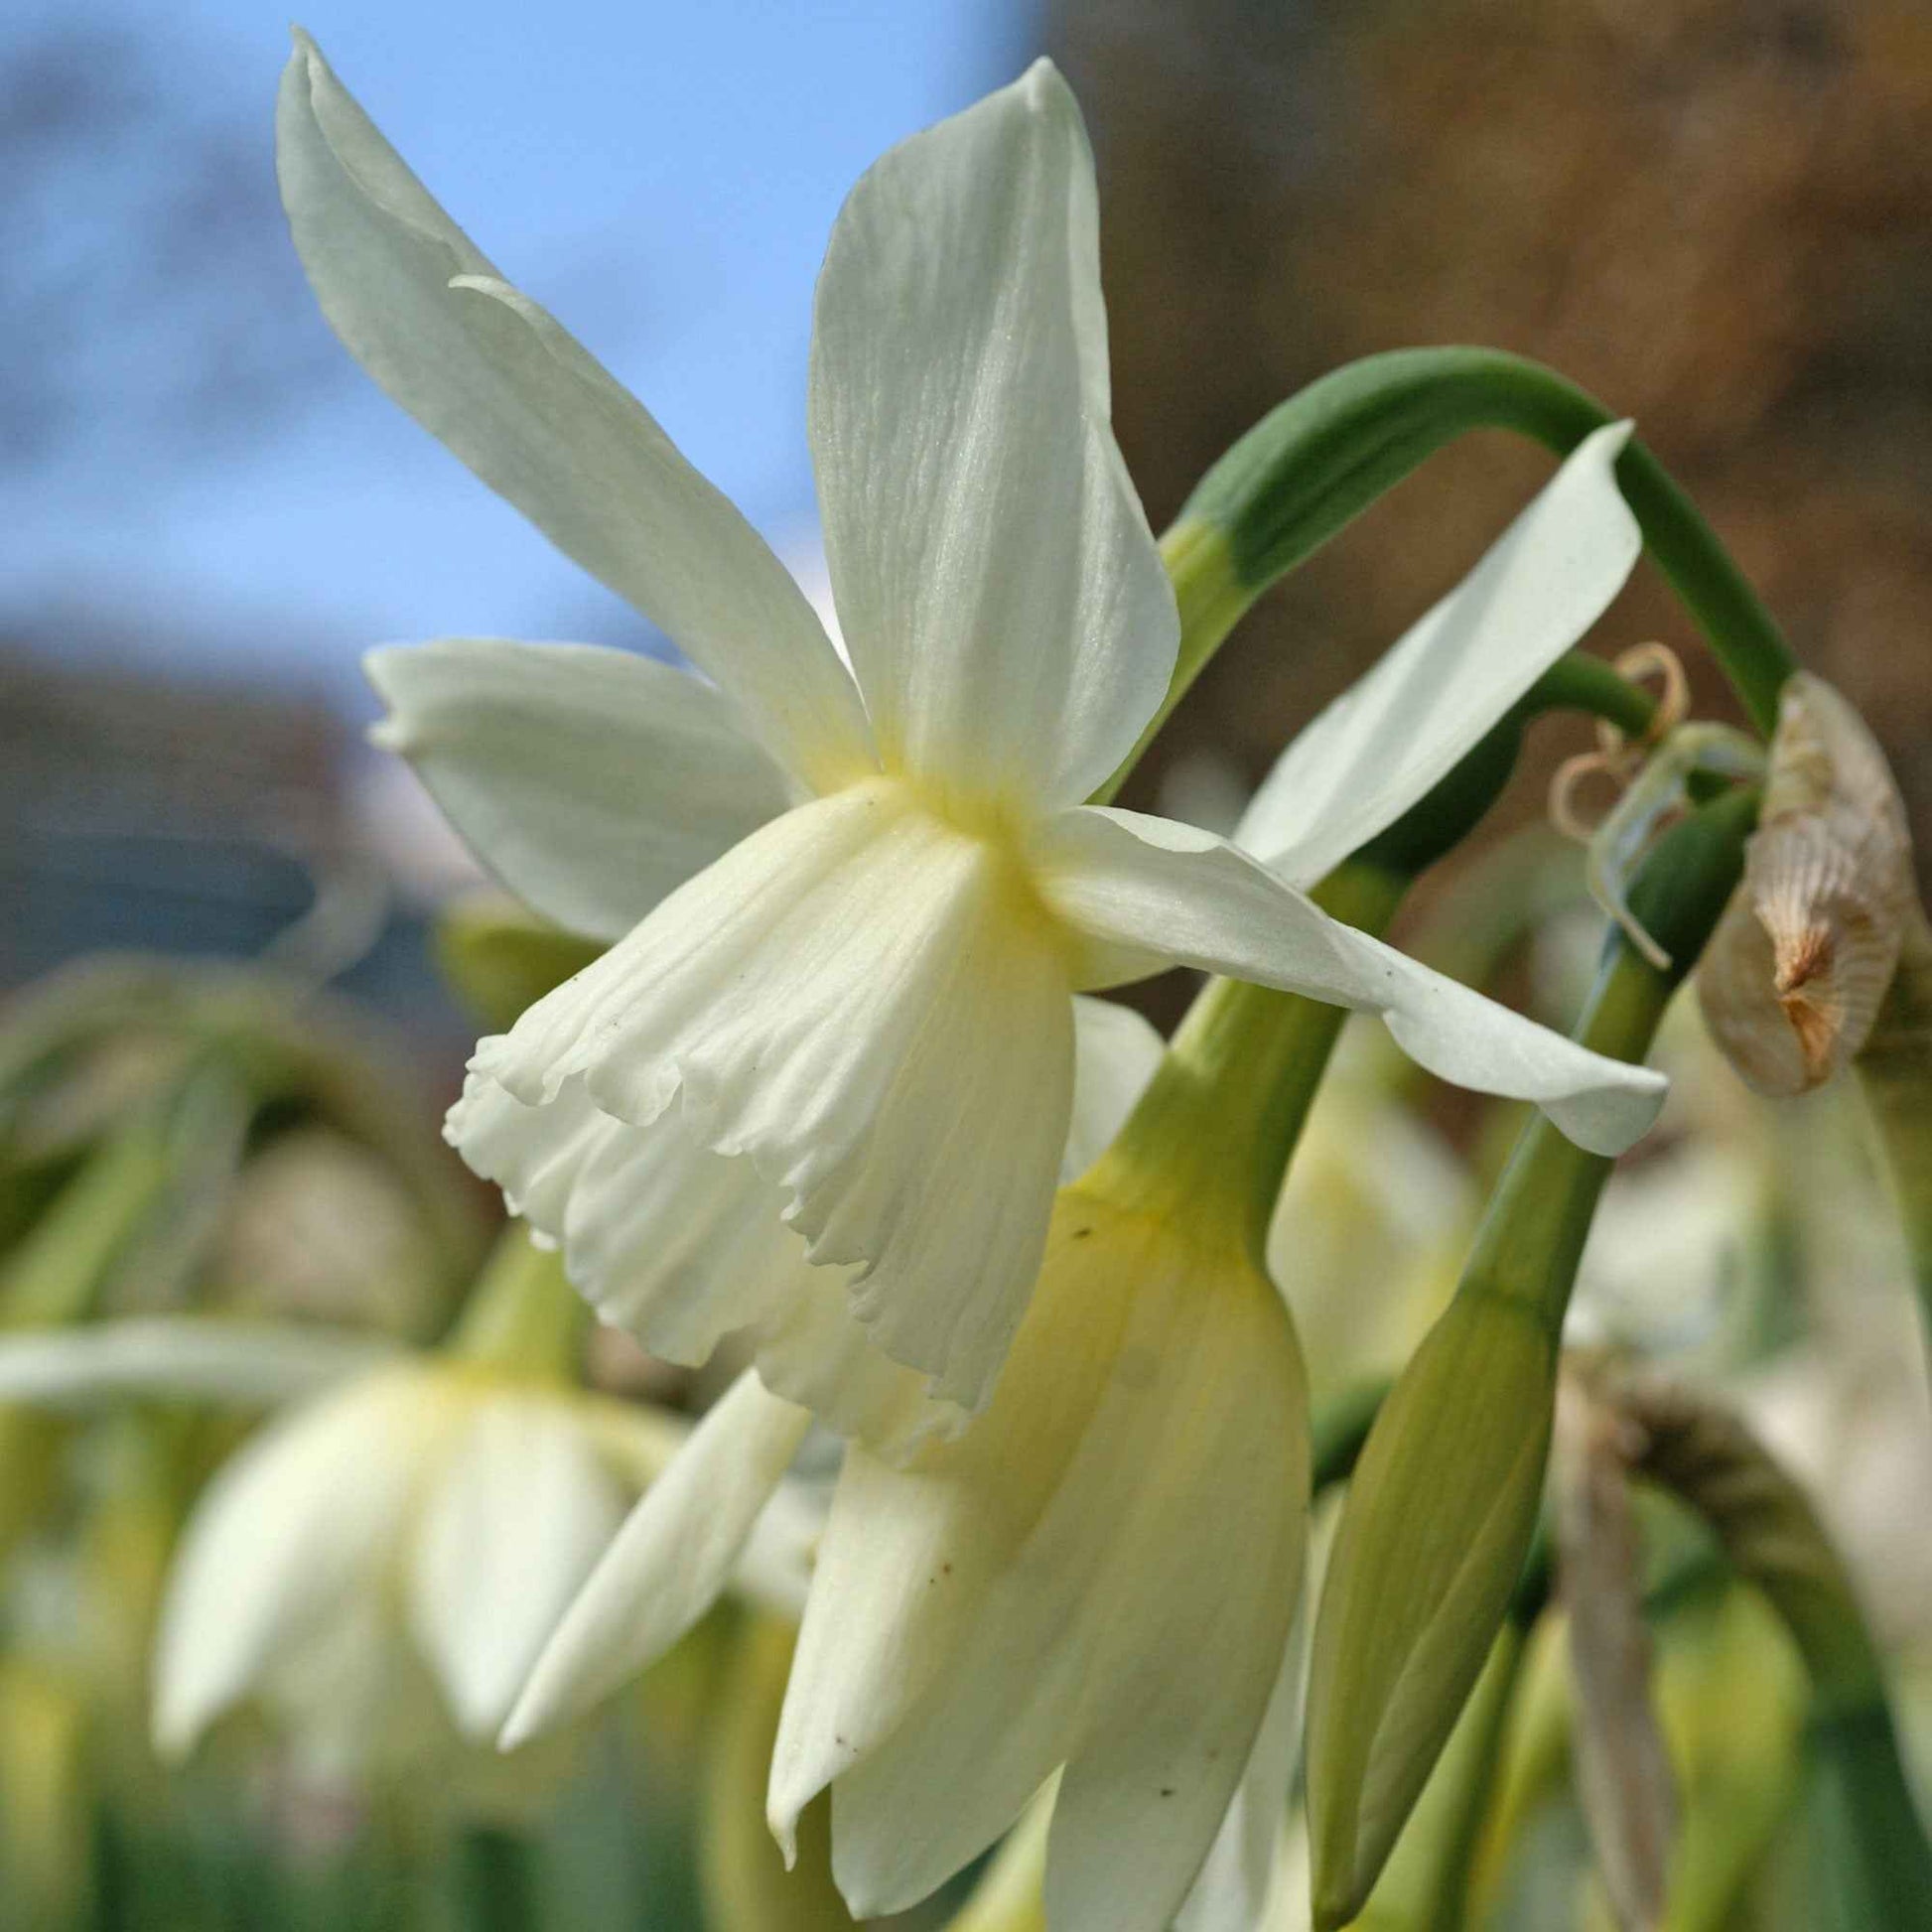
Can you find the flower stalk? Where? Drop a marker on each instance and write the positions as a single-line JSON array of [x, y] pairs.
[[1871, 1856], [1213, 1134], [1319, 459], [1895, 1071]]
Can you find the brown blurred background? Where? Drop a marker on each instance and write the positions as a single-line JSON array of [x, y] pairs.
[[1717, 214]]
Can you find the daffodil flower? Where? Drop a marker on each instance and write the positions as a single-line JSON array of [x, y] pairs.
[[378, 1567], [1094, 1584], [428, 1522], [851, 909], [1097, 1579]]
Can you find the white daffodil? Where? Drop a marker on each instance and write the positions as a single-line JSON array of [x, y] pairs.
[[1098, 1578], [378, 1567], [850, 909], [723, 1510], [428, 1521]]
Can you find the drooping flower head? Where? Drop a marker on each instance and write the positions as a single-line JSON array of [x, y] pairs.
[[849, 909], [1097, 1580], [376, 1569], [1094, 1584]]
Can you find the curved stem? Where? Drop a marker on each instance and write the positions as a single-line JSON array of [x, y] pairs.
[[1314, 463], [1578, 681]]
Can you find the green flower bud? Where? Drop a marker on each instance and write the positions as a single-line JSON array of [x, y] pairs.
[[1444, 1504], [1416, 1592]]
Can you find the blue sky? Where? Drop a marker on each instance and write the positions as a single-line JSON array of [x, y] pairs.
[[661, 175]]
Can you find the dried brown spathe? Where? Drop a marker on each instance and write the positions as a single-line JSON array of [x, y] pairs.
[[1794, 976]]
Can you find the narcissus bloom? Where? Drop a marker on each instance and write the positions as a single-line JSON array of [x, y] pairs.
[[419, 1528], [1095, 1583], [1099, 1576], [851, 908], [377, 1568]]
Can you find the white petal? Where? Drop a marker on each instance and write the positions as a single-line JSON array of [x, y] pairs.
[[1100, 1572], [860, 999], [342, 1699], [1433, 695], [1154, 892], [672, 1559], [1243, 1873], [997, 583], [774, 1568], [298, 1524], [681, 1248], [538, 418], [1115, 1052], [516, 1521], [180, 1358], [591, 782]]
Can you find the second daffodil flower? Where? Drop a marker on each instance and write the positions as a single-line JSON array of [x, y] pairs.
[[378, 1567], [849, 909]]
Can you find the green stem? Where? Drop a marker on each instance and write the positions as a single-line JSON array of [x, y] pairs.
[[496, 1878], [1766, 1528], [1871, 1860], [1874, 1857], [1895, 1071], [1213, 1132], [522, 1316], [1532, 1236], [56, 1273], [1577, 682], [1323, 456]]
